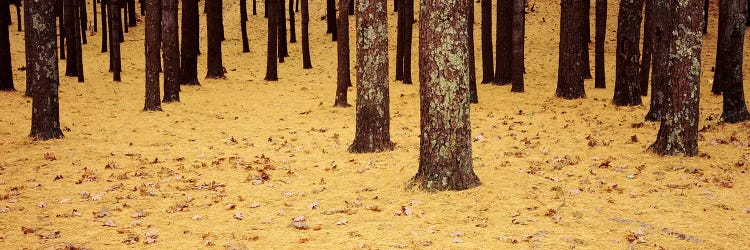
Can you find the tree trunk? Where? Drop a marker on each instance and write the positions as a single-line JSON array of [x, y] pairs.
[[569, 77], [722, 46], [292, 30], [445, 161], [243, 26], [94, 7], [214, 27], [351, 7], [504, 46], [306, 62], [627, 77], [705, 16], [124, 15], [271, 65], [170, 50], [283, 49], [473, 97], [70, 22], [373, 114], [41, 54], [119, 9], [400, 31], [83, 20], [105, 25], [408, 31], [153, 46], [586, 23], [114, 44], [6, 68], [733, 13], [221, 19], [519, 23], [78, 49], [648, 46], [131, 13], [660, 79], [601, 33], [678, 133], [190, 35], [18, 15], [61, 24], [344, 74], [255, 12], [488, 72], [30, 72], [331, 18], [143, 7]]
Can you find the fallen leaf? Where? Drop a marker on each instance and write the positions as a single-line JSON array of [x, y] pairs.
[[341, 222]]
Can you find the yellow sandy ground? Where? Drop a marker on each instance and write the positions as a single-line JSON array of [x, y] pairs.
[[555, 173]]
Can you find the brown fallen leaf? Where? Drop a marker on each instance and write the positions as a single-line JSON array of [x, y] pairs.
[[46, 235], [50, 157], [29, 230]]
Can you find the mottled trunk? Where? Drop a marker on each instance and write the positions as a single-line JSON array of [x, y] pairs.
[[190, 35], [114, 38], [41, 56], [471, 61], [586, 23], [343, 79], [373, 114], [6, 68], [400, 28], [83, 20], [518, 68], [408, 31], [678, 133], [504, 46], [648, 46], [70, 22], [627, 77], [153, 47], [569, 77], [272, 50], [488, 71], [243, 26], [131, 13], [445, 161], [306, 62], [214, 27], [660, 79], [105, 26], [170, 50], [331, 17], [292, 29], [734, 12]]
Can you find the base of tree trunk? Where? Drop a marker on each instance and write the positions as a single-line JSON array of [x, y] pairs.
[[364, 146], [736, 117]]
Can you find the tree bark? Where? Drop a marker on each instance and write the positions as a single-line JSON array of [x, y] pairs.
[[473, 97], [306, 62], [519, 23], [705, 16], [170, 50], [70, 22], [400, 31], [124, 15], [255, 12], [114, 44], [373, 114], [678, 133], [41, 55], [283, 49], [243, 26], [722, 46], [79, 35], [343, 79], [648, 46], [94, 7], [190, 35], [351, 7], [504, 46], [445, 161], [331, 17], [30, 72], [271, 65], [83, 20], [627, 77], [6, 68], [131, 13], [153, 47], [292, 29], [569, 77], [488, 72], [733, 14], [18, 15], [214, 27], [586, 23], [408, 31], [105, 25], [59, 10], [660, 79]]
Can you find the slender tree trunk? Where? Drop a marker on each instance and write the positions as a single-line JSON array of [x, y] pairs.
[[69, 10], [734, 13], [114, 44], [705, 16], [170, 50], [30, 71], [271, 65], [627, 77], [678, 133], [445, 161], [400, 31], [283, 49], [255, 12], [105, 25], [214, 27], [569, 77], [18, 16], [519, 23], [120, 20], [221, 20], [343, 80], [660, 80], [78, 49], [722, 46], [41, 55], [331, 16], [473, 97], [488, 72], [351, 7], [131, 13], [6, 68], [292, 30], [83, 20], [306, 62], [504, 46], [190, 49], [586, 23], [59, 9], [373, 113], [153, 47], [143, 7], [243, 26], [124, 15], [648, 46], [94, 7], [408, 33]]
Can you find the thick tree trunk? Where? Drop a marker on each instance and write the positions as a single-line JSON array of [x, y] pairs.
[[488, 70], [408, 31], [722, 46], [70, 22], [373, 114], [105, 26], [292, 29], [190, 35], [400, 31], [6, 68], [504, 46], [586, 23], [678, 133], [170, 50], [114, 44], [648, 46], [272, 50], [445, 161], [41, 55], [221, 19], [733, 14], [343, 79], [519, 23], [569, 77], [306, 62], [627, 77], [214, 27], [660, 79], [153, 47], [471, 63], [243, 26]]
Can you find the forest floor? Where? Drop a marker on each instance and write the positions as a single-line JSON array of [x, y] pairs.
[[239, 159]]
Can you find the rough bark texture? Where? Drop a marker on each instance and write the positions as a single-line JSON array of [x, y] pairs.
[[41, 59], [733, 13], [445, 161], [373, 114], [648, 46], [569, 77], [519, 21], [678, 133], [6, 68], [471, 63], [488, 70], [271, 65], [243, 26], [306, 62], [627, 77], [153, 47], [504, 46], [292, 28], [214, 27], [114, 38], [170, 50], [105, 26], [189, 47], [660, 79], [408, 31], [343, 79], [586, 27]]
